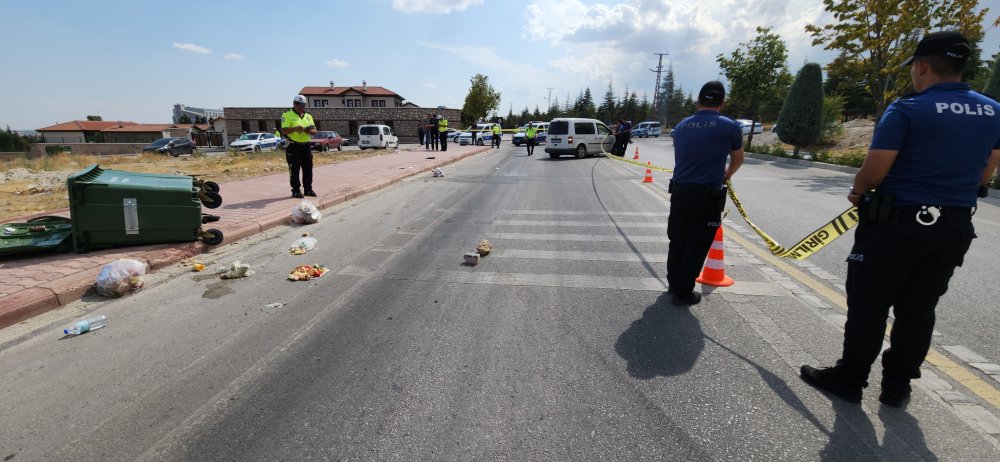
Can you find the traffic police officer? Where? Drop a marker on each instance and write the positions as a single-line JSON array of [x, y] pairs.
[[930, 155], [702, 142], [496, 135], [298, 125], [530, 133], [442, 126]]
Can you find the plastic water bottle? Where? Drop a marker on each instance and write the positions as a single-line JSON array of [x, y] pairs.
[[86, 325]]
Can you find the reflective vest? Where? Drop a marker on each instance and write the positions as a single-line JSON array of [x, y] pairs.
[[496, 129], [530, 132], [443, 125], [291, 119]]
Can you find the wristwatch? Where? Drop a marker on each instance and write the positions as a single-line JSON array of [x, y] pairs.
[[852, 193]]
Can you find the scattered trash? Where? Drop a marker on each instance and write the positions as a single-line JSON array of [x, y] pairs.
[[302, 245], [86, 325], [484, 247], [472, 259], [307, 272], [431, 157], [120, 277], [437, 172], [306, 213], [198, 267], [274, 305], [234, 271]]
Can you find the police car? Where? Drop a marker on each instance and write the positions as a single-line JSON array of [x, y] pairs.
[[543, 128], [256, 142], [646, 129], [478, 134]]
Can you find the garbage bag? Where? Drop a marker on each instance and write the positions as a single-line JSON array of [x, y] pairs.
[[121, 277], [306, 212], [234, 271], [302, 245]]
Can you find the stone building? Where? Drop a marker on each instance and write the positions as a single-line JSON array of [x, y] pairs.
[[343, 110]]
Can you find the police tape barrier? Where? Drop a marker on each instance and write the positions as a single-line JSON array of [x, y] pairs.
[[803, 249]]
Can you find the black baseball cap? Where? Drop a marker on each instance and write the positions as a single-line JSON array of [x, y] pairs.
[[712, 92], [949, 43]]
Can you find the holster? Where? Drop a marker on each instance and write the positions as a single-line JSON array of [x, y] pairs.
[[877, 207]]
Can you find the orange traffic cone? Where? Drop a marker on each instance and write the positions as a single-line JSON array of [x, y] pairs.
[[714, 273], [649, 173], [636, 153]]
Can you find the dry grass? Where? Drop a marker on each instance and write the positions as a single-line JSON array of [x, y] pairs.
[[37, 185]]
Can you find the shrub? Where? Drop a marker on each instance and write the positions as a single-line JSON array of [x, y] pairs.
[[801, 116], [53, 150]]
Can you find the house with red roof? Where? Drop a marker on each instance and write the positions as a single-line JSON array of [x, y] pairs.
[[354, 97], [79, 131]]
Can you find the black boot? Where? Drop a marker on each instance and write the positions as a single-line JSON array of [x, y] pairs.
[[828, 379]]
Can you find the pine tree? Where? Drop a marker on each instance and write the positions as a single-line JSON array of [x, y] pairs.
[[801, 117], [606, 111], [992, 87]]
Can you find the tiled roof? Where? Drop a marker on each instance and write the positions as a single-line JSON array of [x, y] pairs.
[[141, 128], [83, 126], [338, 91]]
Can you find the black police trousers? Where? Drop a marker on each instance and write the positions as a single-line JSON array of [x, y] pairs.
[[444, 140], [529, 143], [907, 266], [695, 216], [299, 157]]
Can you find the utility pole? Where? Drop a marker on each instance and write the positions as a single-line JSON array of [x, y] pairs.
[[549, 99], [656, 89]]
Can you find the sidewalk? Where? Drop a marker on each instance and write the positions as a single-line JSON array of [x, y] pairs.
[[31, 285]]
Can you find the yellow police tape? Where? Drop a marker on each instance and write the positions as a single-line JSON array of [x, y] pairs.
[[800, 251]]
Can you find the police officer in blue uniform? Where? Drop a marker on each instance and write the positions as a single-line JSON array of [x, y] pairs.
[[932, 152], [702, 143]]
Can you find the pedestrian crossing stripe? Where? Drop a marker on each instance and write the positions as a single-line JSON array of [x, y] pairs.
[[804, 248]]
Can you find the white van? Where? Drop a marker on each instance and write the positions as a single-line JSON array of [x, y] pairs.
[[580, 137], [646, 129], [376, 137]]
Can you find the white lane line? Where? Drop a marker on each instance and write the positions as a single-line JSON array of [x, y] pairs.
[[576, 237], [580, 256], [590, 224], [580, 281], [585, 213]]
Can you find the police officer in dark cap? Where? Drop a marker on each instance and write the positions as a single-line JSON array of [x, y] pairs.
[[932, 153], [702, 143]]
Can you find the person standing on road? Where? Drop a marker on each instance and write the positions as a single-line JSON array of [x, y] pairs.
[[432, 133], [442, 131], [702, 142], [932, 152], [420, 135], [298, 125], [530, 133], [496, 136]]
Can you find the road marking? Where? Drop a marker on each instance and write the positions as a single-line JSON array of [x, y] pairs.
[[579, 281], [577, 237], [584, 224], [581, 256], [584, 213], [960, 374]]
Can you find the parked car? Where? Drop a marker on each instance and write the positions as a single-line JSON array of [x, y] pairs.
[[646, 129], [580, 137], [256, 142], [171, 146], [478, 134], [324, 141], [376, 137], [540, 137], [745, 124]]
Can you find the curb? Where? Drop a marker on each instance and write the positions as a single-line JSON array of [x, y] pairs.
[[32, 302], [803, 162]]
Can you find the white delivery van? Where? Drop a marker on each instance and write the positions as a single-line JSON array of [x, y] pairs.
[[580, 137], [376, 137]]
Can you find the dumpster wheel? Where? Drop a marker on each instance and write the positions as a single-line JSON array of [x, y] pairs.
[[211, 237], [214, 200], [210, 186]]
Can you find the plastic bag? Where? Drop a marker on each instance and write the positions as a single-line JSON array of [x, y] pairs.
[[302, 245], [121, 277], [234, 271], [306, 212]]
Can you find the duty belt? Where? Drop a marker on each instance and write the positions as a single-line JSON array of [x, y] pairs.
[[691, 187], [929, 214]]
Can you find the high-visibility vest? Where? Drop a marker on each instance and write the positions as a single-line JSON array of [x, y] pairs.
[[443, 125], [496, 129], [530, 132], [291, 119]]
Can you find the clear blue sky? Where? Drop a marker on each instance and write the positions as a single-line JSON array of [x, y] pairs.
[[132, 60]]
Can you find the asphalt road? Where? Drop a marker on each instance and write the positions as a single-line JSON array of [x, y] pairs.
[[560, 345]]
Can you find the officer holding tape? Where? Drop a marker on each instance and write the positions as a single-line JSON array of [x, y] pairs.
[[702, 143], [932, 152]]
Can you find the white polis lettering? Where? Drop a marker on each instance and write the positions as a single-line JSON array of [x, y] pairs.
[[960, 108], [711, 124]]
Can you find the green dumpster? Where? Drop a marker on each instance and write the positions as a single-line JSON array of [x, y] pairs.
[[35, 235], [112, 208]]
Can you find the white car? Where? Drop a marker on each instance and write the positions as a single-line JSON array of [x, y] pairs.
[[256, 142], [483, 135], [543, 128], [745, 124]]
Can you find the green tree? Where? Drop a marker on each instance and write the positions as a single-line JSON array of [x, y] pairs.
[[200, 120], [94, 118], [876, 36], [606, 111], [184, 119], [481, 99], [801, 118], [585, 105], [553, 110], [845, 80], [756, 76], [982, 74], [665, 103], [992, 86]]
